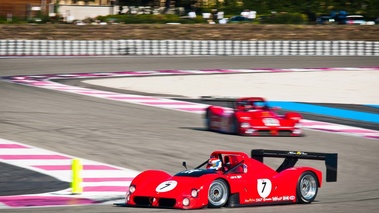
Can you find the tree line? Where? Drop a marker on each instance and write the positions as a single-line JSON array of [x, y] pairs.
[[368, 8]]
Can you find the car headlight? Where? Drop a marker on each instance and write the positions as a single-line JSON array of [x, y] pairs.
[[298, 125], [186, 202], [132, 189], [194, 193], [245, 125]]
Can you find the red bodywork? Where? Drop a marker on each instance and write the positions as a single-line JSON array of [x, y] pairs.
[[250, 182], [260, 120]]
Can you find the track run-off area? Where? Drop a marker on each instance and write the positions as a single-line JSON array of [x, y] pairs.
[[147, 127]]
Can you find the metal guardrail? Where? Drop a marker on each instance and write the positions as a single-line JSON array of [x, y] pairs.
[[186, 47]]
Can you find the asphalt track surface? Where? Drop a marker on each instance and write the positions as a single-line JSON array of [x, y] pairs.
[[140, 137]]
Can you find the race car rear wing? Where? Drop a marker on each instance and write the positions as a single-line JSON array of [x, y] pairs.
[[231, 102], [291, 158]]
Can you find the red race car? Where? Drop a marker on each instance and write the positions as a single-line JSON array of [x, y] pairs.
[[233, 179], [252, 116]]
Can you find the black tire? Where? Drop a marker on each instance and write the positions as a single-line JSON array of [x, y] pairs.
[[307, 188], [208, 115], [218, 194], [235, 126]]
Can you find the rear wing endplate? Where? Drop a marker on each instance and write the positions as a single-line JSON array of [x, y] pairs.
[[291, 157], [231, 102], [213, 98]]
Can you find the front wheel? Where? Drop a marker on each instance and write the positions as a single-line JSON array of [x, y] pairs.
[[307, 187], [218, 194]]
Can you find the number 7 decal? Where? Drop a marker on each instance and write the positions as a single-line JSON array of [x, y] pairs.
[[264, 187], [166, 186]]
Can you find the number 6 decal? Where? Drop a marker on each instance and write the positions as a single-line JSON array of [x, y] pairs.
[[264, 187]]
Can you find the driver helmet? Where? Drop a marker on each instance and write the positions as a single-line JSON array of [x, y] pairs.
[[214, 163], [249, 106], [259, 105], [244, 106]]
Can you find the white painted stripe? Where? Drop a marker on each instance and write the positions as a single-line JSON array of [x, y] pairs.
[[108, 173], [179, 106], [29, 151], [38, 162], [61, 175], [109, 183]]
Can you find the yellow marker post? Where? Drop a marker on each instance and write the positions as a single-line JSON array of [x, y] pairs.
[[76, 177]]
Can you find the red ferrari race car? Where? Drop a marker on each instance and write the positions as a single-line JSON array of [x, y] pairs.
[[233, 179], [252, 116]]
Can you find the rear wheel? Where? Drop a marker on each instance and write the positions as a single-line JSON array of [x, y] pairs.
[[307, 187], [208, 115], [218, 194], [235, 126]]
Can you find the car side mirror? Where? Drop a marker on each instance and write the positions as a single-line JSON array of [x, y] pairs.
[[185, 165]]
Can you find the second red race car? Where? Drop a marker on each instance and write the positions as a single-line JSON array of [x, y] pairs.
[[233, 179], [252, 116]]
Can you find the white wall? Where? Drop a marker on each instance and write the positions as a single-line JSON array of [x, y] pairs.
[[188, 47], [76, 12]]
